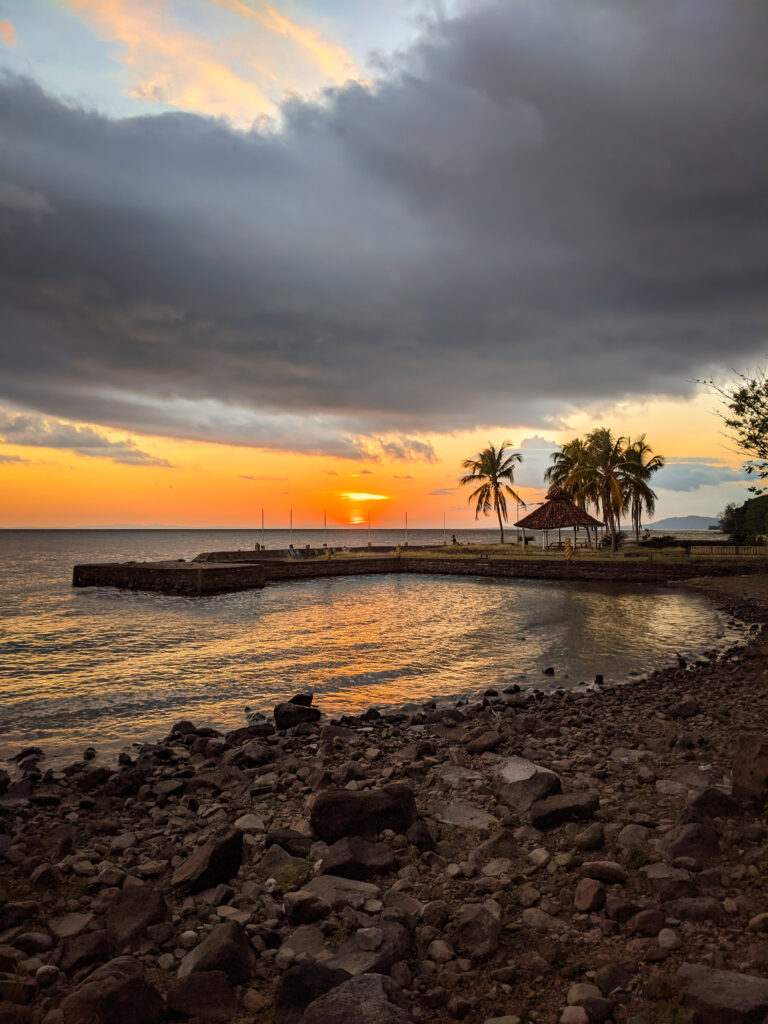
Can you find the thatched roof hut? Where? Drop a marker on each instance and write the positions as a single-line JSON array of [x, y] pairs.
[[558, 511]]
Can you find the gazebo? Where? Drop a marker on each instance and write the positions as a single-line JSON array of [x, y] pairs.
[[557, 512]]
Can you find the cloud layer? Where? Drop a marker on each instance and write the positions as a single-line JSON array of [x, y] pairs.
[[541, 204], [29, 431]]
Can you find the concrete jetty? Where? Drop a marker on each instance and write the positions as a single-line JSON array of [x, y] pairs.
[[228, 572]]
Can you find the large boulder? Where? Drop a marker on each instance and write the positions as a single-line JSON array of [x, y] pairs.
[[367, 999], [723, 997], [116, 993], [216, 861], [520, 783], [131, 912], [301, 985], [226, 949], [342, 812]]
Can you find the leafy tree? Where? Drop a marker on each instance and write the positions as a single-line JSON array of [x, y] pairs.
[[745, 414], [494, 470]]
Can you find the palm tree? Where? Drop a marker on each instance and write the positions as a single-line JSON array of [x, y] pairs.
[[642, 464], [600, 477], [494, 470]]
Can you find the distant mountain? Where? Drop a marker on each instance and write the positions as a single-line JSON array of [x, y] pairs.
[[676, 523]]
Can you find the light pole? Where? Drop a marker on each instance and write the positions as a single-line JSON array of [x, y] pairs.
[[262, 527], [290, 525]]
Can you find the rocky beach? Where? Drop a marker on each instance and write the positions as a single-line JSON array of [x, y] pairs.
[[556, 858]]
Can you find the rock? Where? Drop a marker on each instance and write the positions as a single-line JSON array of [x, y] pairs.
[[632, 835], [289, 715], [355, 958], [723, 997], [668, 939], [303, 699], [131, 912], [353, 857], [646, 922], [589, 896], [485, 742], [206, 995], [296, 843], [700, 908], [591, 999], [250, 823], [464, 814], [226, 949], [216, 861], [750, 767], [70, 925], [520, 783], [612, 978], [605, 871], [300, 985], [16, 912], [697, 841], [341, 892], [668, 882], [590, 838], [477, 929], [116, 993], [12, 1013], [436, 914], [341, 812], [574, 1015], [368, 999], [89, 948], [275, 861], [711, 803], [555, 810], [304, 908]]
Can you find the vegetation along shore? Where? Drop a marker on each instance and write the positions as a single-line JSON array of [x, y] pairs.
[[570, 857]]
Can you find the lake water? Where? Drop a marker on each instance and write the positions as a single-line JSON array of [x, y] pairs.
[[109, 668]]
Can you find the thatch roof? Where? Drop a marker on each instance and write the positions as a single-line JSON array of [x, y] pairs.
[[559, 510]]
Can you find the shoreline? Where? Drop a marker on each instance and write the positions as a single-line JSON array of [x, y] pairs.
[[471, 922]]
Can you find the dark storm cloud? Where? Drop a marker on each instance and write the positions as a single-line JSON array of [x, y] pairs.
[[545, 202]]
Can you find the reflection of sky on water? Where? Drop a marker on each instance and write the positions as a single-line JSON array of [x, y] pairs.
[[104, 667]]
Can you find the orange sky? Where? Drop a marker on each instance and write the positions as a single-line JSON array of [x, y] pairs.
[[227, 486]]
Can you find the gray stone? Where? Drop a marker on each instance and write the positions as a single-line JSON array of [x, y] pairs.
[[723, 997], [356, 959], [354, 857], [341, 892], [226, 949], [464, 814], [520, 783], [477, 929], [368, 999]]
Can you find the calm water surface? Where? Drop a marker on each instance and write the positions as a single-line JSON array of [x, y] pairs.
[[110, 668]]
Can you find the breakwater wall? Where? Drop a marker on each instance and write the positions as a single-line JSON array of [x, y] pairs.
[[202, 578]]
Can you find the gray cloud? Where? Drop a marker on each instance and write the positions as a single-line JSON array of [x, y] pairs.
[[27, 430], [12, 460], [541, 204], [443, 490], [691, 474]]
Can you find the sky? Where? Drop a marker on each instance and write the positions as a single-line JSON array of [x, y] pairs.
[[309, 255]]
